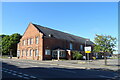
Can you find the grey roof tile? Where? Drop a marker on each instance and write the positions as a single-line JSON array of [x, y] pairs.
[[61, 35]]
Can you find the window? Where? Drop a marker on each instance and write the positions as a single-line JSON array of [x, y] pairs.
[[62, 54], [81, 47], [18, 53], [23, 43], [30, 52], [28, 41], [26, 52], [31, 40], [37, 40], [36, 52], [47, 52], [22, 52], [71, 46]]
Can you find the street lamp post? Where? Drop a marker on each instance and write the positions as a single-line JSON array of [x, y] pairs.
[[85, 52], [58, 54]]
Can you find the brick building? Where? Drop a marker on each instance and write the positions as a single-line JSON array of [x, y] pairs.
[[42, 43]]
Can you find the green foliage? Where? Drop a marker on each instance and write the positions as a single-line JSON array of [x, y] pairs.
[[9, 42], [77, 55], [104, 44]]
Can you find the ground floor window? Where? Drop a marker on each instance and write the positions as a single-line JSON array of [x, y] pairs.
[[36, 52], [62, 53], [47, 52], [18, 53], [26, 52], [31, 52]]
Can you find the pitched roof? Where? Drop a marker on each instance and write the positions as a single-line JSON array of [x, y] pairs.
[[61, 35]]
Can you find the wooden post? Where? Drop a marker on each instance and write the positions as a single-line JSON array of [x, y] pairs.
[[105, 58]]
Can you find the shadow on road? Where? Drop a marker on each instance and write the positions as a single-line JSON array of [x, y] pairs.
[[54, 73]]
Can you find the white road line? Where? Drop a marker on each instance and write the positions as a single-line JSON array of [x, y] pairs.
[[20, 73], [4, 71], [9, 72], [64, 70], [32, 76], [14, 74], [25, 75], [19, 76], [105, 76], [15, 71]]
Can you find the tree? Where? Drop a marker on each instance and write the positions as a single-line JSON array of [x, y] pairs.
[[77, 55], [104, 44], [9, 43]]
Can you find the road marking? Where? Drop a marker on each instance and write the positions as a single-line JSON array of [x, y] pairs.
[[73, 66], [5, 71], [25, 75], [9, 72], [14, 74], [105, 76], [20, 73], [32, 76], [19, 76], [15, 71], [64, 70]]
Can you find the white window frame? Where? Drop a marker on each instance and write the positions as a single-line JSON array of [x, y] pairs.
[[18, 53], [71, 46], [22, 52], [31, 41], [26, 52], [36, 52], [46, 52], [81, 47], [37, 40], [31, 51]]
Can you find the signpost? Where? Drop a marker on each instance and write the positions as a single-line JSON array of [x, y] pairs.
[[88, 50]]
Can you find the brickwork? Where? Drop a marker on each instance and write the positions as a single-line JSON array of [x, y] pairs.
[[28, 46], [31, 32]]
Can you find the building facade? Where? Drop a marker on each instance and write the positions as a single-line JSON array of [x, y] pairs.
[[42, 43]]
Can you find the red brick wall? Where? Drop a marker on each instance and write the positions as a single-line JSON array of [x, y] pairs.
[[52, 43], [31, 32]]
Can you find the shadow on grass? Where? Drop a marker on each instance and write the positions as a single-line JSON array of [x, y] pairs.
[[55, 73]]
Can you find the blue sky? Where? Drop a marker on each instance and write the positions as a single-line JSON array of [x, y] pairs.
[[83, 19]]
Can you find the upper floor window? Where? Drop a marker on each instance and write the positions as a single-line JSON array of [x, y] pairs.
[[37, 40], [71, 46], [31, 40], [23, 42], [47, 52], [81, 47], [28, 41]]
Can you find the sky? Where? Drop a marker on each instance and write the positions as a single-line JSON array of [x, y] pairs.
[[84, 19]]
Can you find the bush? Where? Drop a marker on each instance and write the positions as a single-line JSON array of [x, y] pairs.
[[77, 55]]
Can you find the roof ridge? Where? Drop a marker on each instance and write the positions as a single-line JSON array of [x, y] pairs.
[[59, 31]]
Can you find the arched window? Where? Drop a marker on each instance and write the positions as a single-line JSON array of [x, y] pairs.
[[36, 52], [31, 51], [26, 52]]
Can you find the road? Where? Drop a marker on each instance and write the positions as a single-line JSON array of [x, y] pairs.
[[14, 69]]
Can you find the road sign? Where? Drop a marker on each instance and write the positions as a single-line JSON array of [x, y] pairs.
[[88, 49]]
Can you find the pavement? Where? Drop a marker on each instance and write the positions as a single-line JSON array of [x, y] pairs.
[[112, 64], [20, 69]]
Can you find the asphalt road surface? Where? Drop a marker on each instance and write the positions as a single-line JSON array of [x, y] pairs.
[[24, 70]]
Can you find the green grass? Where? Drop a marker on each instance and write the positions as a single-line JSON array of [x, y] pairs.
[[4, 57]]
